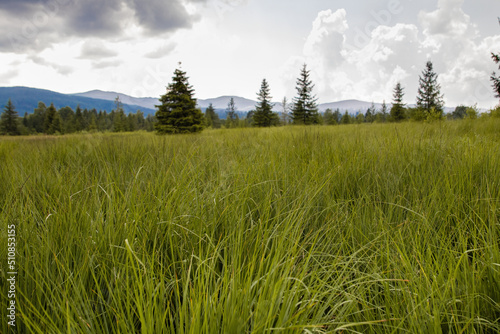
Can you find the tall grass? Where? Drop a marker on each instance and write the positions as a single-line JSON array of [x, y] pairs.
[[353, 229]]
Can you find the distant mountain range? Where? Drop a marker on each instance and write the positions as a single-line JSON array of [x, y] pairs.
[[26, 99], [243, 105]]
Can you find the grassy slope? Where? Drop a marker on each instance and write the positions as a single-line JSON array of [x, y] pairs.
[[370, 228]]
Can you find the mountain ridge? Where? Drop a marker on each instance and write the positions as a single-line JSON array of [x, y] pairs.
[[242, 104], [26, 99]]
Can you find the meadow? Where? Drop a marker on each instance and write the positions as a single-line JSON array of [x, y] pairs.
[[370, 228]]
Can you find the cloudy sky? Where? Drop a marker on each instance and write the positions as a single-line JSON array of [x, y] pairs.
[[354, 49]]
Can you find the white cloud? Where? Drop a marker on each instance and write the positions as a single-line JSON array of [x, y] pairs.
[[449, 20], [398, 53], [459, 53], [324, 45]]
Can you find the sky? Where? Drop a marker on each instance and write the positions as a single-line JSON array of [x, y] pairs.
[[354, 49]]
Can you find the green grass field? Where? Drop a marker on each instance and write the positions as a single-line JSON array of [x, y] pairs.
[[377, 228]]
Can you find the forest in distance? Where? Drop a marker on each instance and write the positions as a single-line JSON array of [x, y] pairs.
[[302, 110]]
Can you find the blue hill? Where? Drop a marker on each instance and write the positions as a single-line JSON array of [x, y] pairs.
[[26, 99]]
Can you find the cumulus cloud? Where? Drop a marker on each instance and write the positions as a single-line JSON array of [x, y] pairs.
[[398, 53], [35, 24], [327, 36], [449, 20], [459, 51], [324, 45]]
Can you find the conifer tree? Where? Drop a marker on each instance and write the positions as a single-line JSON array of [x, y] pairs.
[[57, 123], [346, 118], [429, 95], [337, 115], [52, 123], [494, 79], [263, 115], [231, 118], [38, 117], [360, 118], [26, 120], [384, 108], [67, 116], [370, 114], [102, 120], [93, 123], [329, 117], [211, 117], [208, 116], [398, 107], [8, 120], [78, 119], [305, 109], [177, 112], [119, 119]]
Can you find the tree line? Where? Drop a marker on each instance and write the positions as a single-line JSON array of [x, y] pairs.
[[49, 120], [178, 111]]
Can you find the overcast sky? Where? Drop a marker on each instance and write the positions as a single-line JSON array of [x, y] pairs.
[[354, 49]]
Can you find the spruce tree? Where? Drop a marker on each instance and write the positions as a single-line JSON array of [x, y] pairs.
[[337, 115], [51, 125], [263, 115], [370, 114], [26, 121], [119, 119], [429, 95], [216, 123], [78, 119], [38, 117], [177, 112], [494, 79], [346, 118], [305, 109], [398, 107], [231, 118], [93, 123], [67, 116], [360, 118], [8, 120], [57, 123], [211, 117], [208, 116]]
